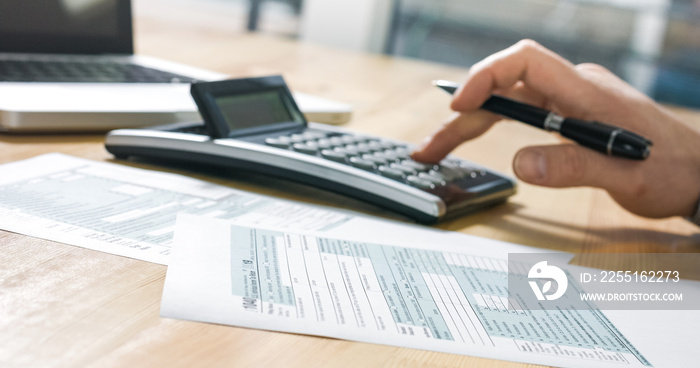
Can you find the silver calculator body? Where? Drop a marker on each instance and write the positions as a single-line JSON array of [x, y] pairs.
[[369, 168]]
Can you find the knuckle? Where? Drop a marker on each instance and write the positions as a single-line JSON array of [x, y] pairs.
[[528, 45], [592, 67], [598, 75]]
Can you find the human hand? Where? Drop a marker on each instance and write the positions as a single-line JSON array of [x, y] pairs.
[[666, 184]]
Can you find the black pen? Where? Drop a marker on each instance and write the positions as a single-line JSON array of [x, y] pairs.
[[609, 139]]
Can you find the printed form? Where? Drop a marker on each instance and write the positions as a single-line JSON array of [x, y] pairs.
[[131, 212], [438, 298], [127, 211]]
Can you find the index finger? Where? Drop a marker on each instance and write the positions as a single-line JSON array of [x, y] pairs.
[[458, 128]]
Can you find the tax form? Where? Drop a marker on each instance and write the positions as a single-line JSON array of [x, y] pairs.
[[127, 211], [438, 297], [131, 212]]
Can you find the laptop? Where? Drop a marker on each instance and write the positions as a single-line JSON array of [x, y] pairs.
[[68, 66]]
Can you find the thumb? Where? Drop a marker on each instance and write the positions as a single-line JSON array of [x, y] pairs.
[[568, 165]]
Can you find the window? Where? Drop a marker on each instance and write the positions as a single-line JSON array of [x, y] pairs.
[[653, 44]]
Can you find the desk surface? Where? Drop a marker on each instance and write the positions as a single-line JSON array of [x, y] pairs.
[[64, 306]]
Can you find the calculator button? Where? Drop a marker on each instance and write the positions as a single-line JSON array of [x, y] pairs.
[[476, 173], [324, 143], [363, 164], [375, 146], [389, 154], [452, 162], [380, 145], [297, 138], [387, 157], [438, 175], [377, 160], [391, 173], [307, 148], [451, 172], [334, 155], [417, 165], [419, 183], [348, 139], [313, 135], [405, 169], [336, 141], [277, 142], [349, 149], [435, 179], [402, 152], [363, 148]]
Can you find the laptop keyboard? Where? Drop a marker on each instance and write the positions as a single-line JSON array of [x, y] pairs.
[[84, 72]]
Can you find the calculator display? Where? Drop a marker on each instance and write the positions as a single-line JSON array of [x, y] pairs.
[[253, 109], [246, 107]]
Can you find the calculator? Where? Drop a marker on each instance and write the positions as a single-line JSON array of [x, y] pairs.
[[254, 124]]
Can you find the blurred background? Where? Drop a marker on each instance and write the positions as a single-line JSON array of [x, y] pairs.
[[652, 44]]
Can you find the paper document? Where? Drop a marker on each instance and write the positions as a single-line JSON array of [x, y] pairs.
[[127, 211], [437, 297], [131, 212]]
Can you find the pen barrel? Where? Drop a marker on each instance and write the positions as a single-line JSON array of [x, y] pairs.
[[607, 139], [516, 110]]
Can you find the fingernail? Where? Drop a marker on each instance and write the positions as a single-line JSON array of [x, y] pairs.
[[530, 165]]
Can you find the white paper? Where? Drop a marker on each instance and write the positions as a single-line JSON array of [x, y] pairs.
[[131, 212], [441, 296], [128, 211]]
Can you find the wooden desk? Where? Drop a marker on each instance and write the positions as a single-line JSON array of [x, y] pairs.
[[64, 306]]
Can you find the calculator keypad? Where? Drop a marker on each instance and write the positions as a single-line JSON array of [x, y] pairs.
[[378, 156]]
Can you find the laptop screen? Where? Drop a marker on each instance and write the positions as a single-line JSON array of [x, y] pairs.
[[66, 26]]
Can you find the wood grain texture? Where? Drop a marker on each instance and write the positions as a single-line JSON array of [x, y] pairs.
[[64, 306]]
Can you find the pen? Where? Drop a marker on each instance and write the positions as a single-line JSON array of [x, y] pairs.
[[608, 139]]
